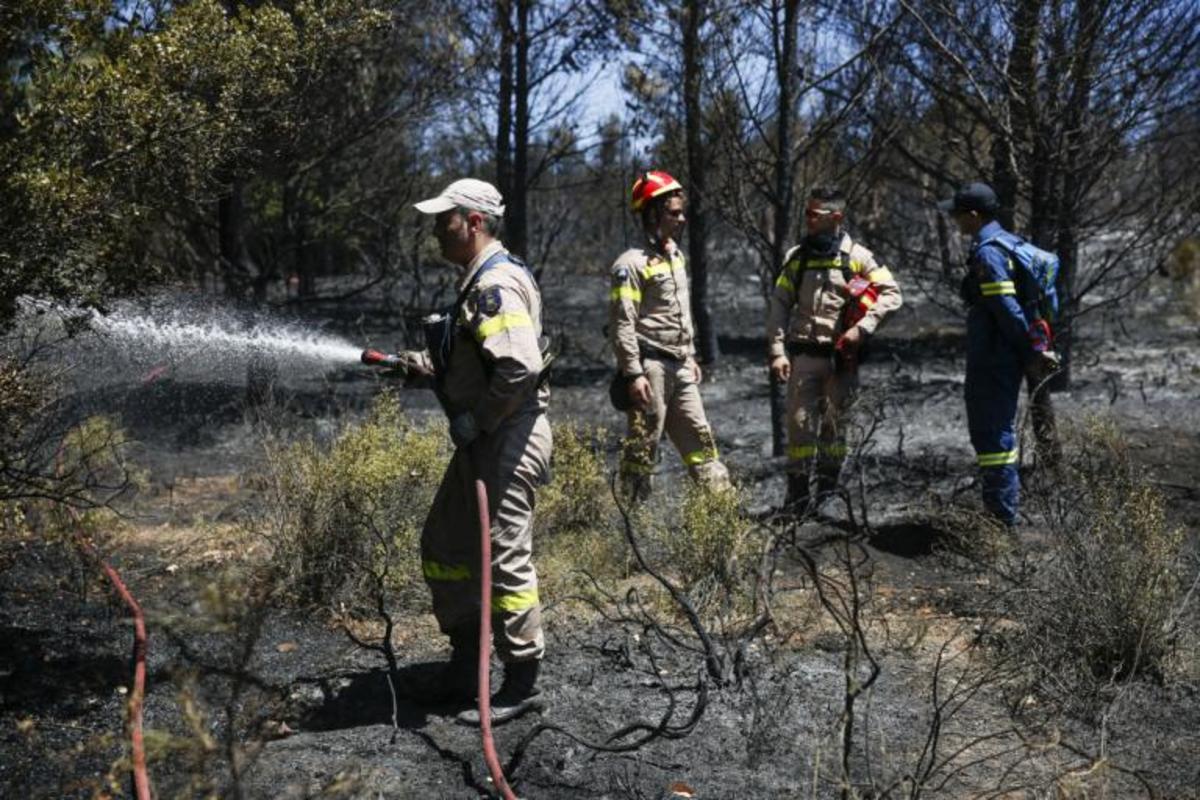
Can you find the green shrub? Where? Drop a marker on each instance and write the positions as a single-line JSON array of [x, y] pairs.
[[578, 498], [347, 517], [1100, 607], [711, 552], [577, 533], [1183, 265], [21, 395], [92, 471]]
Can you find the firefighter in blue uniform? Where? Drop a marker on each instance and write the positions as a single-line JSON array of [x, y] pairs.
[[1001, 348]]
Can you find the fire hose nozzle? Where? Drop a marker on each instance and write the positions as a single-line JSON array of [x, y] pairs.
[[376, 358]]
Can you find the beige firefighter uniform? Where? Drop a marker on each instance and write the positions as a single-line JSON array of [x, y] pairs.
[[803, 322], [650, 323], [493, 371]]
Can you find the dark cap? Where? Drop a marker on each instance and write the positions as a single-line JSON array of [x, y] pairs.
[[972, 197]]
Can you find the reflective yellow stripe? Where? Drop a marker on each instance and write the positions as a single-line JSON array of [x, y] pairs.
[[515, 601], [445, 572], [823, 263], [866, 302], [627, 293], [700, 456], [997, 288], [856, 266], [657, 268], [502, 322], [837, 449], [879, 275], [799, 451], [784, 282], [1001, 459]]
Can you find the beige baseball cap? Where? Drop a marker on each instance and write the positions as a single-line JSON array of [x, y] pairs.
[[469, 193]]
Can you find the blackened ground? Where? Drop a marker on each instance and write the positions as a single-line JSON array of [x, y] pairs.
[[312, 714]]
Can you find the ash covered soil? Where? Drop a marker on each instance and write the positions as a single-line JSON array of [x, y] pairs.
[[284, 705]]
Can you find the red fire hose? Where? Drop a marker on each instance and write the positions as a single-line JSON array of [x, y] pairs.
[[485, 643], [141, 778]]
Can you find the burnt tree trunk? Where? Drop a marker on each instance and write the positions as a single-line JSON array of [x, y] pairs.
[[785, 74], [233, 257], [512, 121], [504, 165], [517, 211], [1075, 169], [693, 58], [1016, 153], [1008, 148]]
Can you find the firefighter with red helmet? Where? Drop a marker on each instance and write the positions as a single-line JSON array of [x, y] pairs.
[[830, 296], [650, 325]]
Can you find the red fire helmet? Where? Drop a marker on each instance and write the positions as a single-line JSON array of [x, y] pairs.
[[652, 184]]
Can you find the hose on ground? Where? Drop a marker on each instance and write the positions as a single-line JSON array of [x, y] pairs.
[[141, 778], [485, 644]]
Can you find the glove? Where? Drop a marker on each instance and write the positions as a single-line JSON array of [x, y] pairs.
[[1040, 336], [464, 429]]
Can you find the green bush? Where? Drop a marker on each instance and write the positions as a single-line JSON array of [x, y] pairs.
[[41, 467], [1100, 606], [578, 498], [577, 533], [1183, 265], [347, 517], [711, 552]]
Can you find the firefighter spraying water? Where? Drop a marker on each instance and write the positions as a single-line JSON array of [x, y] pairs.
[[484, 361]]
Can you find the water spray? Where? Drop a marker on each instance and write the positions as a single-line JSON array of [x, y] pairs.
[[185, 338], [221, 337]]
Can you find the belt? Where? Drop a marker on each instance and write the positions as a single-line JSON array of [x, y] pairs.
[[811, 349], [650, 351]]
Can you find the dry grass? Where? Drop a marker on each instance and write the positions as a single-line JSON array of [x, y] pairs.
[[1099, 607]]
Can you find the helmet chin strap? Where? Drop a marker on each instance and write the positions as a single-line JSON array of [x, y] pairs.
[[654, 233]]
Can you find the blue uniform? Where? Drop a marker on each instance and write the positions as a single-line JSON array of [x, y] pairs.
[[998, 348]]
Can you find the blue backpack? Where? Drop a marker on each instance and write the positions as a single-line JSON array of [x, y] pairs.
[[1038, 273]]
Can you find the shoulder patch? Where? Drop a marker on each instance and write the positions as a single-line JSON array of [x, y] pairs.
[[620, 275], [489, 301]]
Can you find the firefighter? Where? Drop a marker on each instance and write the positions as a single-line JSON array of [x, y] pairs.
[[830, 296], [485, 362], [650, 324], [1002, 347]]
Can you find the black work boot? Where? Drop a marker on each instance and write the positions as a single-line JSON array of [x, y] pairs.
[[518, 695], [457, 682], [827, 486], [796, 500]]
